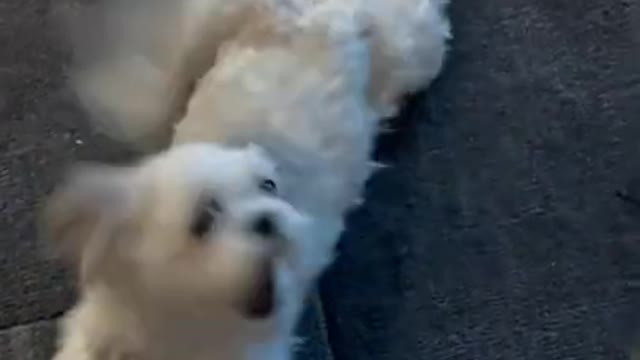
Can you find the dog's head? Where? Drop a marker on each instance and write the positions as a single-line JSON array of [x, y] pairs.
[[197, 225]]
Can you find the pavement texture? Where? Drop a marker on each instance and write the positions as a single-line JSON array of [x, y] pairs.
[[508, 226]]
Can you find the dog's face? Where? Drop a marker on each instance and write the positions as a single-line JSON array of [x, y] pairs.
[[198, 225]]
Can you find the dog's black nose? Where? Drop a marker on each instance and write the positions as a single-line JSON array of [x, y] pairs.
[[264, 225]]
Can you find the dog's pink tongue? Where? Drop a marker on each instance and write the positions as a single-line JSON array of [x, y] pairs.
[[261, 301]]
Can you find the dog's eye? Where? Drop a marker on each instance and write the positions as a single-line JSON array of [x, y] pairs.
[[269, 186], [205, 219]]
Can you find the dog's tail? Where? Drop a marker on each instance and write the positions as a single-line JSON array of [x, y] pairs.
[[137, 60], [409, 42]]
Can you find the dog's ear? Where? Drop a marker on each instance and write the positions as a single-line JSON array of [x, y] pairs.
[[87, 212]]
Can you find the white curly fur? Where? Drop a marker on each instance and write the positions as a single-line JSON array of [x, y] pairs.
[[231, 91]]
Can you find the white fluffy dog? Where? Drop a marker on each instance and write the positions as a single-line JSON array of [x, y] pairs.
[[265, 112]]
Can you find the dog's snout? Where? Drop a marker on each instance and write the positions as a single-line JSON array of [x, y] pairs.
[[265, 225]]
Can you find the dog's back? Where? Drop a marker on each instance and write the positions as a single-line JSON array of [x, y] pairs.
[[136, 77]]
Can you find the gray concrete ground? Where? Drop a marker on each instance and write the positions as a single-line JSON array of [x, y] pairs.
[[506, 229]]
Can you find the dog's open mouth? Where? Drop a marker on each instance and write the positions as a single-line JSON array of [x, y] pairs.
[[261, 300]]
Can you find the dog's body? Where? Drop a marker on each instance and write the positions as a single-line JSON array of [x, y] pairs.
[[248, 94]]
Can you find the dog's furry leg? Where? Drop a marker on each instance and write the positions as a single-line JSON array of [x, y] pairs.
[[409, 40], [137, 86]]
